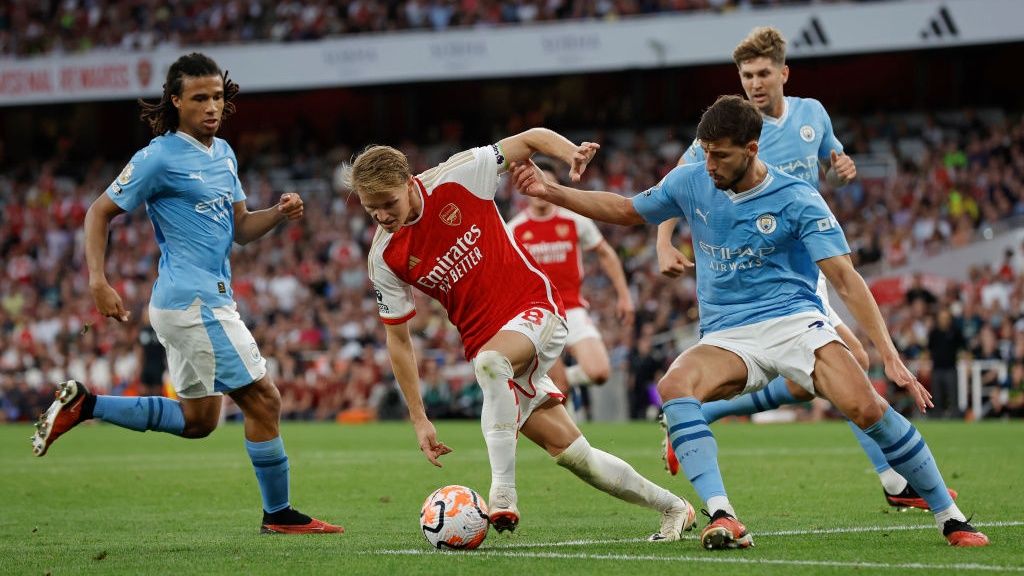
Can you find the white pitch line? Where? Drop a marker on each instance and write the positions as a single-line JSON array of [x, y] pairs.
[[718, 560], [693, 536]]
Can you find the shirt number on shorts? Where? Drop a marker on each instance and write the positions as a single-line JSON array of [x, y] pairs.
[[534, 315]]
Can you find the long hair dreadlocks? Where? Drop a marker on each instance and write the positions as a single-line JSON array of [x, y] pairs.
[[163, 116]]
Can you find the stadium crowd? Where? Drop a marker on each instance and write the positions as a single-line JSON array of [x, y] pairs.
[[304, 290], [30, 27]]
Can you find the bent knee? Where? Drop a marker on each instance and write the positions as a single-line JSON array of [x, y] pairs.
[[199, 429], [490, 365], [676, 384], [798, 392], [599, 377], [868, 414]]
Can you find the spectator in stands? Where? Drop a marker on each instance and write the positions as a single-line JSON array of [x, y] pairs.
[[987, 349], [945, 344], [917, 291]]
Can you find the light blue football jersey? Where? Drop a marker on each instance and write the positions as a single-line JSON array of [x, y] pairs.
[[756, 251], [794, 143], [188, 190]]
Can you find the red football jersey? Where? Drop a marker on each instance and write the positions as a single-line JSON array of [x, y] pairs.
[[460, 253], [556, 242]]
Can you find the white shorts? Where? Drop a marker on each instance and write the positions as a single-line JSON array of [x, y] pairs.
[[581, 326], [822, 293], [781, 346], [534, 387], [209, 350]]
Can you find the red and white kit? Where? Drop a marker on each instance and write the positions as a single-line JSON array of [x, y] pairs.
[[557, 242], [460, 253]]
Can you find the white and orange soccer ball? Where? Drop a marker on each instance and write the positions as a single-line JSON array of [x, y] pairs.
[[454, 517]]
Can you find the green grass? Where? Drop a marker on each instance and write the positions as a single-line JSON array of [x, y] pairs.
[[106, 500]]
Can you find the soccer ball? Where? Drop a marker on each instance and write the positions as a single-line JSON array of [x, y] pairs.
[[454, 517]]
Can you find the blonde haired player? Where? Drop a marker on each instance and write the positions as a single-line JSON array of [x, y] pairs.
[[440, 232]]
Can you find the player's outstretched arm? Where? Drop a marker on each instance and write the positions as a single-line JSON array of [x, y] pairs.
[[403, 363], [671, 262], [524, 145], [612, 266], [251, 226], [603, 206], [855, 293], [97, 227]]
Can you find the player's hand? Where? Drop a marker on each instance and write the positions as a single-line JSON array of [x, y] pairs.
[[291, 206], [431, 447], [904, 378], [625, 310], [109, 303], [844, 167], [583, 155], [672, 262], [528, 179]]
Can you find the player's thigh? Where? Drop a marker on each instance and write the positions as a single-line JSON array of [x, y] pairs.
[[532, 341], [515, 346], [558, 376], [854, 344], [706, 373], [839, 379], [261, 399], [592, 356], [551, 428]]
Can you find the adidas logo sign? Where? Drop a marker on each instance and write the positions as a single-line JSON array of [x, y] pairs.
[[941, 26], [811, 36]]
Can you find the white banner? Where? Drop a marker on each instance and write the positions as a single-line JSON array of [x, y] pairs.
[[528, 50]]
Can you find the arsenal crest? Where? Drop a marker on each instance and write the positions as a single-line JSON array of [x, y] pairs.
[[562, 230], [451, 215]]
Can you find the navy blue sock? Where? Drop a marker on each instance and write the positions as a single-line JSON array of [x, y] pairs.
[[141, 413], [271, 465], [908, 454], [775, 394], [695, 446]]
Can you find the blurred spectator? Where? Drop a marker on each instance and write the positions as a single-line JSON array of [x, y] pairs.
[[28, 27], [917, 292], [152, 359], [945, 344]]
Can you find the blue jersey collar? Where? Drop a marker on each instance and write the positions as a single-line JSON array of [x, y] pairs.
[[781, 119], [202, 147], [738, 197]]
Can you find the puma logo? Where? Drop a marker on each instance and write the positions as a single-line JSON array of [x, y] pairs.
[[196, 176], [703, 215]]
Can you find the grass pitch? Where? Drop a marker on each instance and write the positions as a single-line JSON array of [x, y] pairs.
[[110, 501]]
